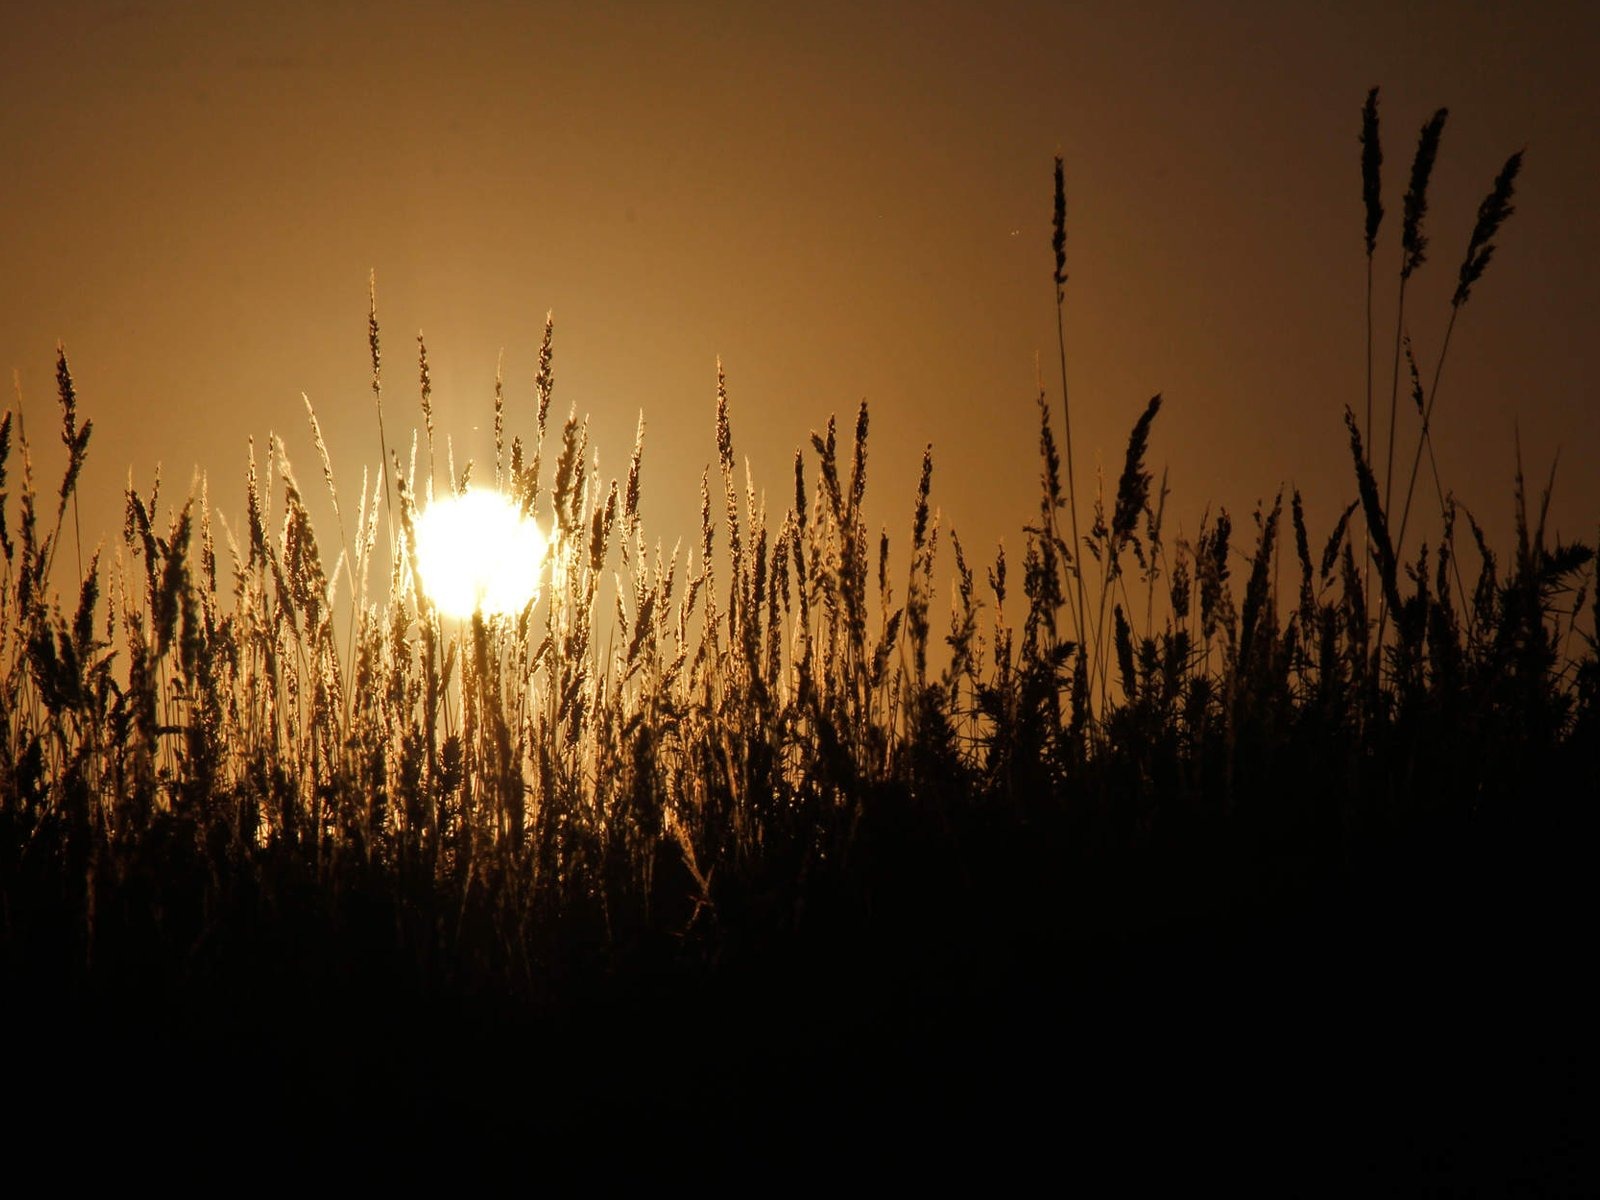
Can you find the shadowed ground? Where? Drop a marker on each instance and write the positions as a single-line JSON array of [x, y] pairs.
[[1414, 1019]]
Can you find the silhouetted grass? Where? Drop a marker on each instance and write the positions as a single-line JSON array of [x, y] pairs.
[[747, 813]]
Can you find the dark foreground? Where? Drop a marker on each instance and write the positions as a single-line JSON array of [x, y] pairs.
[[1417, 1018]]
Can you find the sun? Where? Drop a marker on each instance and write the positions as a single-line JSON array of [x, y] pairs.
[[478, 553]]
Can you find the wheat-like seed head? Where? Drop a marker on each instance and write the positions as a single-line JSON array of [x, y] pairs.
[[1412, 239], [1492, 213], [1371, 168]]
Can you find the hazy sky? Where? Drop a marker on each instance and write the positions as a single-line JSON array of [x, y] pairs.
[[842, 201]]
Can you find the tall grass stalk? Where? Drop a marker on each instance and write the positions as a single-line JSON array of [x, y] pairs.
[[1413, 249], [1372, 201], [1058, 245], [375, 352]]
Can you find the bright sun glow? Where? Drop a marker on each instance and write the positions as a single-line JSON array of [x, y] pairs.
[[476, 552]]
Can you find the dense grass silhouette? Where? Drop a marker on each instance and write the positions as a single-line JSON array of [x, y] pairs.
[[1149, 852]]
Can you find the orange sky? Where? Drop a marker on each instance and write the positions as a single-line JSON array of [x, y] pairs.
[[840, 203]]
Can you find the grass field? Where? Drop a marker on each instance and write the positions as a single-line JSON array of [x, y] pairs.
[[1196, 856]]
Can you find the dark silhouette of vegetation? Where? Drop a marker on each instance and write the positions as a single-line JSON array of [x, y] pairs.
[[775, 805]]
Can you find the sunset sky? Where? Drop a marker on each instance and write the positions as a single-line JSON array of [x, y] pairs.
[[840, 201]]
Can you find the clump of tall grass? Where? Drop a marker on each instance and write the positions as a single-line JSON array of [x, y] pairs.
[[680, 748]]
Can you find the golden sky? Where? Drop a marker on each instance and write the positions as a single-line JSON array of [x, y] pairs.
[[842, 201]]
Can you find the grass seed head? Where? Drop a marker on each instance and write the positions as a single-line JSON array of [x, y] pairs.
[[1371, 169], [1413, 241], [1492, 213]]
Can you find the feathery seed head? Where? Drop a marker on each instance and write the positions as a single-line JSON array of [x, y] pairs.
[[1058, 238], [919, 520], [1050, 498], [1133, 488], [427, 385], [799, 490], [858, 464], [630, 507], [1412, 239], [372, 333], [1377, 525], [69, 397], [544, 381], [705, 515], [1492, 213], [1371, 168], [1417, 397], [1330, 552]]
